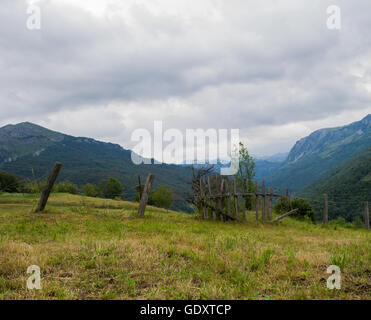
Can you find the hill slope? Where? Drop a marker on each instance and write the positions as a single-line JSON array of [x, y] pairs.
[[348, 186], [314, 156], [91, 248], [30, 151]]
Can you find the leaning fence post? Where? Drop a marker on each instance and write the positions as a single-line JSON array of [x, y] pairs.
[[257, 200], [145, 195], [48, 187], [325, 210], [367, 216]]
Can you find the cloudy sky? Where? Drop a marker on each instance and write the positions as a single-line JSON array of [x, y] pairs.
[[103, 68]]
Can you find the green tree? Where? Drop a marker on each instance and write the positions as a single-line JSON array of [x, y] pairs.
[[66, 187], [111, 188], [305, 211], [246, 173], [163, 197], [9, 183], [90, 190]]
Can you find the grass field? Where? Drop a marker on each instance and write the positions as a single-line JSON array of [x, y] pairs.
[[97, 249]]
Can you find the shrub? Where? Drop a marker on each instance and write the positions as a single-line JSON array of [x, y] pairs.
[[66, 187], [163, 197], [90, 190], [111, 188], [9, 183], [282, 205], [305, 210]]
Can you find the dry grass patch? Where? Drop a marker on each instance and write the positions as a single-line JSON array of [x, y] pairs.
[[96, 249]]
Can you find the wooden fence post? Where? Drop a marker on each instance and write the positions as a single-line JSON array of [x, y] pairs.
[[235, 198], [367, 216], [202, 213], [325, 210], [145, 195], [221, 199], [217, 196], [244, 208], [48, 187], [270, 202], [203, 198], [228, 196], [210, 193], [263, 200], [257, 200]]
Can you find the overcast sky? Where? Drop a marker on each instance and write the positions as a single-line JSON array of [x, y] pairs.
[[103, 68]]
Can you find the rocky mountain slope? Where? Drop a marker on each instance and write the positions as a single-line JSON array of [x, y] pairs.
[[316, 155]]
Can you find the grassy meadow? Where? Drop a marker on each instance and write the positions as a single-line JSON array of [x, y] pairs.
[[91, 248]]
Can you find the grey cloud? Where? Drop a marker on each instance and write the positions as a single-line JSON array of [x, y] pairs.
[[268, 63]]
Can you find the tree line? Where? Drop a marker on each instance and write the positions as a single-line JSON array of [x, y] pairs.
[[110, 188]]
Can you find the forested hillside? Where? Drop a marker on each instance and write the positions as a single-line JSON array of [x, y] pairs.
[[348, 186], [30, 151], [315, 156]]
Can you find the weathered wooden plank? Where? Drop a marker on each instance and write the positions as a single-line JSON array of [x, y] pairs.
[[245, 195], [145, 195], [48, 187], [285, 215], [221, 212]]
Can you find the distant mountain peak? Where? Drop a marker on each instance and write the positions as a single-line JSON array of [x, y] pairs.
[[315, 155], [367, 120]]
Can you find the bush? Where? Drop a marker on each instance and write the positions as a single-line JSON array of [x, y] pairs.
[[36, 187], [66, 187], [305, 210], [282, 205], [9, 183], [163, 197], [90, 190], [111, 188], [358, 223]]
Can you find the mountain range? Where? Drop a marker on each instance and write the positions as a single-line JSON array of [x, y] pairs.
[[347, 186], [29, 151], [314, 156]]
